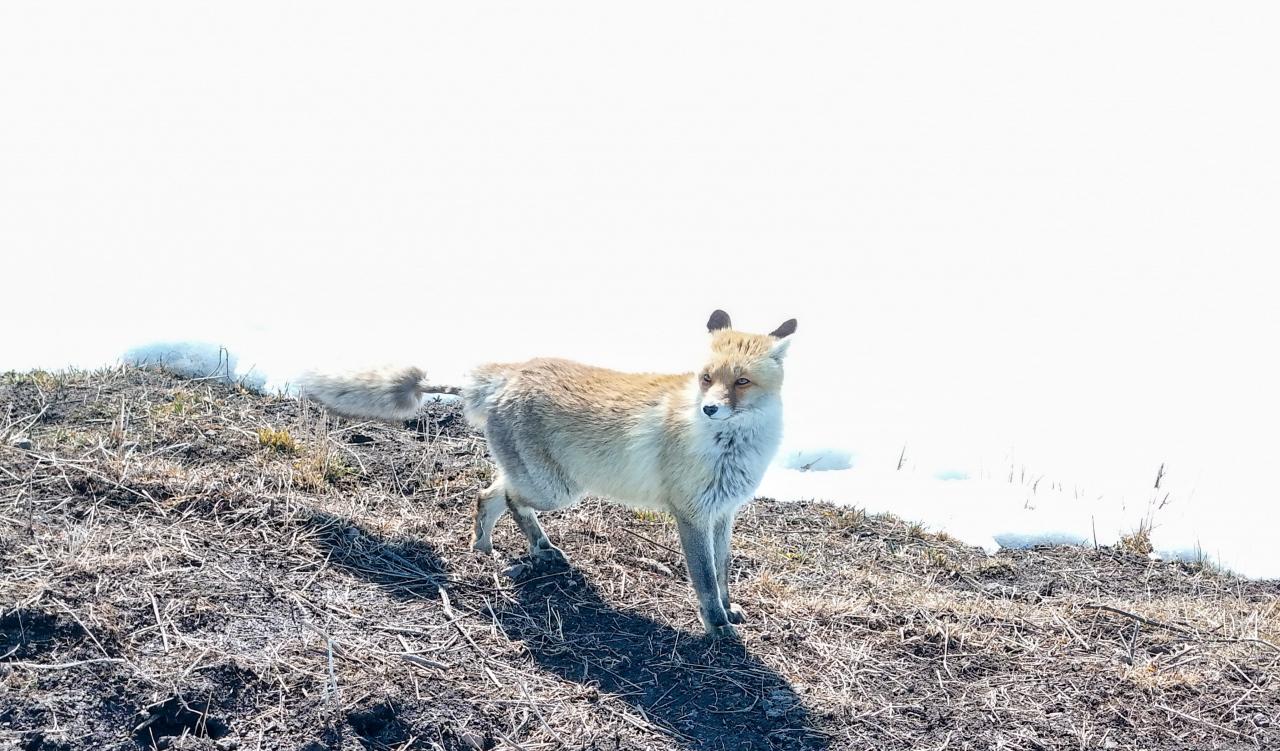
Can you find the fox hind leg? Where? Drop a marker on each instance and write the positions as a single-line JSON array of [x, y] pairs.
[[490, 506], [526, 518]]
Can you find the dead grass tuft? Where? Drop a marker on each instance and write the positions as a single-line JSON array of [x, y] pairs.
[[277, 440], [845, 518], [1138, 541]]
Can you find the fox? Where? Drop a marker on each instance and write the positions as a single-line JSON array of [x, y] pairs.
[[694, 445]]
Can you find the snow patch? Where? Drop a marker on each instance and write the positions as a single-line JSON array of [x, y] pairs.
[[195, 359], [817, 460]]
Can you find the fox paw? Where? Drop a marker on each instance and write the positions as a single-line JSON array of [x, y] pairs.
[[550, 554], [482, 546], [724, 631], [735, 613]]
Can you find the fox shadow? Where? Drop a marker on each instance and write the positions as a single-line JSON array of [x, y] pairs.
[[705, 695]]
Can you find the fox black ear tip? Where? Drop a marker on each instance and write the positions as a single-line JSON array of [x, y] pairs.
[[787, 328], [718, 320]]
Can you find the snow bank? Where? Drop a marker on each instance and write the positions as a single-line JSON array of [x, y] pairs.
[[994, 514]]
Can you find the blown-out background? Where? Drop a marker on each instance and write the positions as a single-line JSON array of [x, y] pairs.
[[1031, 250]]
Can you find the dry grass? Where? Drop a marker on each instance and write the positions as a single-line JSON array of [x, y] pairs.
[[169, 579]]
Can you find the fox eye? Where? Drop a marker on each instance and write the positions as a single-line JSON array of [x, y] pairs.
[[742, 382], [706, 378]]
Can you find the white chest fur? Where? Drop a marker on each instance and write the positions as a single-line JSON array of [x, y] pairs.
[[739, 451]]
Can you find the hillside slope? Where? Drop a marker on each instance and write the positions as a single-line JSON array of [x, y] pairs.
[[186, 565]]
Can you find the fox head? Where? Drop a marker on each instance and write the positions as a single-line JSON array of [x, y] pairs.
[[744, 372]]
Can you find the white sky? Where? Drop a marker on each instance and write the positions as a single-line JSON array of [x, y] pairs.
[[1004, 227]]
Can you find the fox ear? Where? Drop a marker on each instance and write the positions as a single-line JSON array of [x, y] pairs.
[[786, 329], [779, 349], [719, 320]]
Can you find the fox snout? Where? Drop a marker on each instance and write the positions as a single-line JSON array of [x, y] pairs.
[[717, 410], [717, 401]]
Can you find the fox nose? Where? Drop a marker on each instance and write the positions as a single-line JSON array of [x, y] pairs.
[[710, 409]]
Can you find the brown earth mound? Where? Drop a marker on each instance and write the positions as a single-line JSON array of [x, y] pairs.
[[185, 565]]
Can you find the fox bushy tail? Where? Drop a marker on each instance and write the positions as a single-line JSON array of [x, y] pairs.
[[380, 393]]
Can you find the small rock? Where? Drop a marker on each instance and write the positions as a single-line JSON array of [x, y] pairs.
[[22, 442], [471, 739], [516, 571]]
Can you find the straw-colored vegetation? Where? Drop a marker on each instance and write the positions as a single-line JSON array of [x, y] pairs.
[[186, 565]]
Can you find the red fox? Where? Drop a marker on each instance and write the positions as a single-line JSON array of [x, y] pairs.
[[695, 445]]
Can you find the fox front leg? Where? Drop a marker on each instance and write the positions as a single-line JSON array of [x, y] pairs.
[[722, 534], [699, 555]]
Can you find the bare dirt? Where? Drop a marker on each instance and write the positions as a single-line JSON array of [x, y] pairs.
[[174, 576]]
